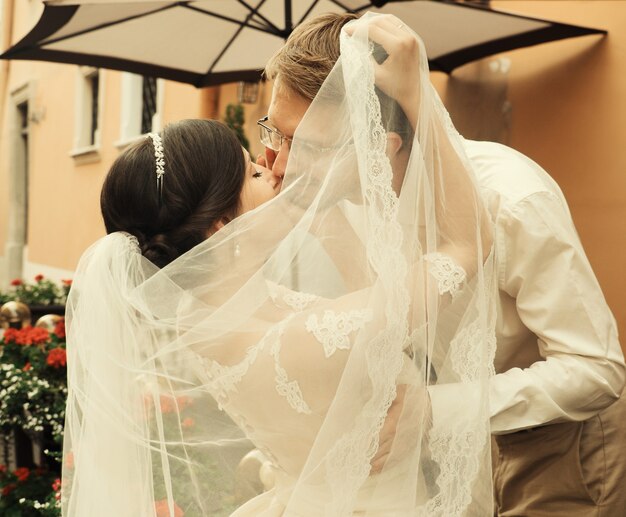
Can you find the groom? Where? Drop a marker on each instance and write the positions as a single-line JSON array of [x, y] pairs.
[[560, 434]]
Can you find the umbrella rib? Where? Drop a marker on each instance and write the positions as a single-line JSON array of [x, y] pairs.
[[237, 22], [104, 25], [255, 10], [308, 11], [234, 36], [288, 18]]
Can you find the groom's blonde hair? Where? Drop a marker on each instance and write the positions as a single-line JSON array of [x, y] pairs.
[[309, 54]]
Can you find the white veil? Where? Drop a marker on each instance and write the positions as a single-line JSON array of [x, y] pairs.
[[291, 331]]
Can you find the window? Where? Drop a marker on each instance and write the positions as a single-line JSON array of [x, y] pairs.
[[93, 88], [22, 149], [88, 111], [140, 107], [148, 103]]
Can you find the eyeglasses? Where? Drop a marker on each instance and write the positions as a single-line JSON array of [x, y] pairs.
[[270, 137]]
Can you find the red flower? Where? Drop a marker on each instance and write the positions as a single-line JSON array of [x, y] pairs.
[[8, 489], [16, 281], [32, 336], [39, 278], [188, 422], [59, 329], [22, 337], [39, 335], [3, 469], [69, 460], [167, 404], [183, 402], [27, 367], [67, 283], [57, 358], [56, 486], [163, 510], [10, 335], [22, 473]]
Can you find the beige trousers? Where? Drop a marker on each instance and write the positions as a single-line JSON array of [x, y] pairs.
[[564, 470]]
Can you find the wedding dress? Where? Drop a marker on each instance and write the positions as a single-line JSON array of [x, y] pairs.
[[292, 330]]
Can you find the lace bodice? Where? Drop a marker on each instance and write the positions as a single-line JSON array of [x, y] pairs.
[[278, 378]]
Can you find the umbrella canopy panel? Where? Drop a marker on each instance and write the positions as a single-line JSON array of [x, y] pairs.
[[217, 45], [447, 30], [215, 41]]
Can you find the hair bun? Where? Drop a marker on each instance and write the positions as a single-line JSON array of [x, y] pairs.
[[158, 250]]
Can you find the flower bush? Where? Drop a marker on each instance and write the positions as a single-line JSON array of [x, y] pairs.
[[42, 291], [33, 392], [33, 386], [29, 493]]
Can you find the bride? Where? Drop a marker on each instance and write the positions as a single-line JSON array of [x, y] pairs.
[[229, 309]]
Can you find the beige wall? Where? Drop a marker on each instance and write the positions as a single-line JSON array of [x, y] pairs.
[[569, 115]]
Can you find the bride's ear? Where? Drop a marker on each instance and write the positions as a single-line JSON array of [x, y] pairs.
[[217, 225], [394, 143]]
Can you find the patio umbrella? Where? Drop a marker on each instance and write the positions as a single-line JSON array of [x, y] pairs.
[[209, 42]]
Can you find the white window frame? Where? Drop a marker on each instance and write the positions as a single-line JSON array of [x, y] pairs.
[[83, 147], [131, 108], [15, 246]]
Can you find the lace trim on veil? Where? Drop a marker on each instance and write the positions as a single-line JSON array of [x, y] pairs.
[[446, 271], [454, 447], [295, 300], [286, 388], [347, 467]]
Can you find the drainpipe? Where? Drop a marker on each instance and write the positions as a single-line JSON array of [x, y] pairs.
[[7, 35]]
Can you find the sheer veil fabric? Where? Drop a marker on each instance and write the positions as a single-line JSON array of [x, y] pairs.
[[291, 331]]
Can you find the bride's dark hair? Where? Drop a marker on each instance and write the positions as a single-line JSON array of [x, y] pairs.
[[204, 174]]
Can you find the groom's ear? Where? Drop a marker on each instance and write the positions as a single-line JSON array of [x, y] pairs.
[[394, 143]]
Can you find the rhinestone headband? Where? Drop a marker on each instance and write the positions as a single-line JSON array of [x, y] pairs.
[[160, 162]]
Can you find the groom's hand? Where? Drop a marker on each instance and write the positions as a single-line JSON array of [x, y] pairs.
[[398, 75], [408, 418], [388, 431]]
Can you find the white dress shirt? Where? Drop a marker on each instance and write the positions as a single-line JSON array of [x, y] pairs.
[[558, 357]]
